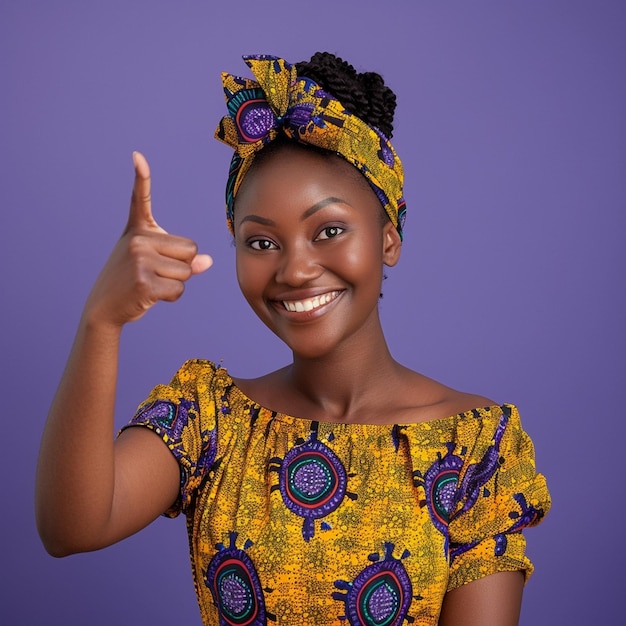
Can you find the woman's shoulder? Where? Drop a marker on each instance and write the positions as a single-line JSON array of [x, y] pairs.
[[406, 397], [423, 399], [197, 373]]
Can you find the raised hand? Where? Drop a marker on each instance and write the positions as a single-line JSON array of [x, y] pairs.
[[90, 491], [147, 264]]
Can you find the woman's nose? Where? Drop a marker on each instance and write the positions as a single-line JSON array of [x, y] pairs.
[[297, 266]]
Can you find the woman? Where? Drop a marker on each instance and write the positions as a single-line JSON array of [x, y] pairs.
[[343, 486]]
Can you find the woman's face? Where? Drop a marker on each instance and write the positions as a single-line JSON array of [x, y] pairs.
[[311, 245]]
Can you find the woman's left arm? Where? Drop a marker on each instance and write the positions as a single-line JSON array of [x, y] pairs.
[[494, 600]]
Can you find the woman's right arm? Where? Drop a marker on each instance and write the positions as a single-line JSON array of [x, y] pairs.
[[91, 490]]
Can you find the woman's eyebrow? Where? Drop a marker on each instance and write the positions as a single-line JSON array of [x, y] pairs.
[[310, 211], [258, 219], [320, 205]]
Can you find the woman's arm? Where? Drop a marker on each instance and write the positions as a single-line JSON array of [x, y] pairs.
[[92, 491], [491, 601]]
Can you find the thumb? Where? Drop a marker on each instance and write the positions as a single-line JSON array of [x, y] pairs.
[[140, 214], [201, 263]]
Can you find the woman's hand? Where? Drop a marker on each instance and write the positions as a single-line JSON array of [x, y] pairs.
[[92, 491], [147, 264]]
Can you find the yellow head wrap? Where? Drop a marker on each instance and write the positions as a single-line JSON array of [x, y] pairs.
[[278, 102]]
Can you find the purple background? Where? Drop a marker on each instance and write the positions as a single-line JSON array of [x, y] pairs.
[[512, 128]]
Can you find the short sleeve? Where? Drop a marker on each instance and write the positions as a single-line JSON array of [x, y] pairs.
[[183, 415], [500, 494]]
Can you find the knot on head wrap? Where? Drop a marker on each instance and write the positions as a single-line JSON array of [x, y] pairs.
[[278, 102]]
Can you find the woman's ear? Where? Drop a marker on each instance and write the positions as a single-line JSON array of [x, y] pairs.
[[392, 244]]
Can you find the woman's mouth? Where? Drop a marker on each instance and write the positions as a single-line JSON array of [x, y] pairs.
[[310, 304]]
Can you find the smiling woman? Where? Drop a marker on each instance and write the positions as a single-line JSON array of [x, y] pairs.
[[310, 248], [342, 487]]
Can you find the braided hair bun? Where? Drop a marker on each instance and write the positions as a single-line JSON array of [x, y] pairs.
[[362, 94]]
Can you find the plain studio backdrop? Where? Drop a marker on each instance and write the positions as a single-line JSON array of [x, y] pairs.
[[511, 125]]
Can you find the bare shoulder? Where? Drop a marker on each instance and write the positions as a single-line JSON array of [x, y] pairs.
[[428, 399], [400, 396], [262, 387], [270, 390]]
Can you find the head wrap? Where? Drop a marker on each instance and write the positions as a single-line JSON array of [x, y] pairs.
[[281, 102]]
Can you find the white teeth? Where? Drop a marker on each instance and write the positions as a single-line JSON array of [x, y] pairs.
[[299, 306]]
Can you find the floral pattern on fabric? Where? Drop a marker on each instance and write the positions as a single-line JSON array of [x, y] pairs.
[[296, 521]]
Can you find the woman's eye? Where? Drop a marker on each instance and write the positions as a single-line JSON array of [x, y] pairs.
[[262, 244], [329, 232]]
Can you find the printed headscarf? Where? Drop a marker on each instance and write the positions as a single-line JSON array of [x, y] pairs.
[[281, 102]]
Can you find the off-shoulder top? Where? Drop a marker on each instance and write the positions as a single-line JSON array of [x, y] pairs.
[[296, 521]]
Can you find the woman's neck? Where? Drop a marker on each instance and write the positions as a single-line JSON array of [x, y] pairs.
[[347, 382]]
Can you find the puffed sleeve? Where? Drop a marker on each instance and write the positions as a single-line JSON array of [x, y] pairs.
[[183, 415], [500, 494]]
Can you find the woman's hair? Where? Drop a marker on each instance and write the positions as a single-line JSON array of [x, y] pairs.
[[362, 94]]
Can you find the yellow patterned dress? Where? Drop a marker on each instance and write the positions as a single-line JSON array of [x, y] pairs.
[[293, 521]]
